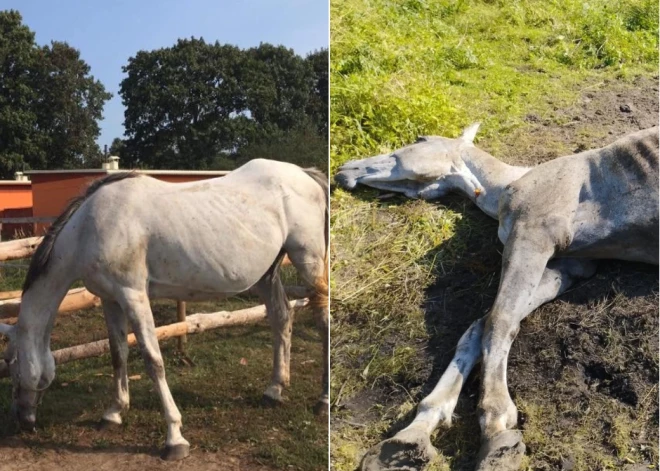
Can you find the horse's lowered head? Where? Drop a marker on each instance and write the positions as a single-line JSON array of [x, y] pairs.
[[32, 370], [429, 168]]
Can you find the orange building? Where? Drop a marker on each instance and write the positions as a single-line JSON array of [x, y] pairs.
[[15, 202], [53, 189]]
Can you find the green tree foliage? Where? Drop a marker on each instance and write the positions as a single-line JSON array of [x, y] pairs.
[[197, 105], [49, 104], [317, 107]]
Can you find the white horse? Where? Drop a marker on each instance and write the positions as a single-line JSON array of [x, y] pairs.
[[554, 221], [130, 238]]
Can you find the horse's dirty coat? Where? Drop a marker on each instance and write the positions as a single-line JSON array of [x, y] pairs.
[[133, 238]]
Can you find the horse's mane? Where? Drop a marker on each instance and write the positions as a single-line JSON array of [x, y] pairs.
[[41, 257]]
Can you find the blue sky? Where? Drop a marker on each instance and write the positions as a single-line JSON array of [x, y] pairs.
[[108, 32]]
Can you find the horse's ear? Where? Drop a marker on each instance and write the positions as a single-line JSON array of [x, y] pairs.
[[470, 133], [8, 330]]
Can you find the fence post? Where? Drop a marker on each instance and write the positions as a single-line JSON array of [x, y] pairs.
[[181, 317]]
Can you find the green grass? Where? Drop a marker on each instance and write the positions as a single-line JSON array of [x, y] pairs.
[[403, 69], [219, 396], [415, 67]]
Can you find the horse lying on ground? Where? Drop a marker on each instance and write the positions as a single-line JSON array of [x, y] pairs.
[[131, 238], [554, 221]]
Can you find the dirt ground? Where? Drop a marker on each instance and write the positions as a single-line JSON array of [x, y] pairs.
[[17, 456], [584, 368], [217, 386]]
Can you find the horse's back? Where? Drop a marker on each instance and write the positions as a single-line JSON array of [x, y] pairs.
[[213, 235], [601, 203]]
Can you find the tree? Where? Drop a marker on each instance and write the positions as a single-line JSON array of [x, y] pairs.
[[196, 105], [118, 147], [317, 107], [49, 104], [183, 105]]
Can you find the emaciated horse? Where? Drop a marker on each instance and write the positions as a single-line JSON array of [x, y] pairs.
[[132, 238], [555, 220]]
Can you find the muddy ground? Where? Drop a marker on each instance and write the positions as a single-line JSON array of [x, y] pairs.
[[584, 368]]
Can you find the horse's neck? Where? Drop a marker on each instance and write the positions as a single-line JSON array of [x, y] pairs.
[[493, 176], [36, 318]]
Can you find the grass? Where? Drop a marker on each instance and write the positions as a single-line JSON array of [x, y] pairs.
[[219, 397], [408, 277], [403, 69]]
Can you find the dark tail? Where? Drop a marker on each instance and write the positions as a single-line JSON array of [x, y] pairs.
[[41, 257]]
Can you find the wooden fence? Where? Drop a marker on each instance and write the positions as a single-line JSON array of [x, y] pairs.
[[80, 298]]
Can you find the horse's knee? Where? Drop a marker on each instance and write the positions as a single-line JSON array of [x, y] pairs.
[[155, 366]]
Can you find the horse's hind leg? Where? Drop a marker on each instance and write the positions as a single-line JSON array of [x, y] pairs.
[[313, 268], [280, 316], [117, 324], [136, 305]]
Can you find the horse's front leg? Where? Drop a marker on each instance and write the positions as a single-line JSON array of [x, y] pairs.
[[117, 324], [136, 305], [524, 260], [412, 445]]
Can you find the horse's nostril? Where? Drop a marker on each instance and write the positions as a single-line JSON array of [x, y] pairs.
[[344, 180]]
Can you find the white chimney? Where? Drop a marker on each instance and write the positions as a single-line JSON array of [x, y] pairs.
[[111, 164], [19, 177]]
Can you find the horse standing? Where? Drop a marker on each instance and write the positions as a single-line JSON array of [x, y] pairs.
[[131, 238]]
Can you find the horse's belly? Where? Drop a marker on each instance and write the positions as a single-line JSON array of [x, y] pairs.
[[209, 272], [182, 293], [635, 243]]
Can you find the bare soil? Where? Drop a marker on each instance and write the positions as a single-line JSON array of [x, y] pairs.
[[16, 455]]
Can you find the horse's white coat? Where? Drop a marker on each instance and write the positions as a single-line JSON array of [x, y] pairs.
[[140, 238], [554, 219]]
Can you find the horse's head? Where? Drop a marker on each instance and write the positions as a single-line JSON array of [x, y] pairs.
[[429, 168], [31, 370]]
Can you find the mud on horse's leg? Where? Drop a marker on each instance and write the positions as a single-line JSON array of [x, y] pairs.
[[319, 303]]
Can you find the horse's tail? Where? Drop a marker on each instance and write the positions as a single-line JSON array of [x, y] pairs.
[[41, 258], [320, 298]]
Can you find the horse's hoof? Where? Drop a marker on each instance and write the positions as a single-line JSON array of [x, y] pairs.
[[270, 401], [105, 424], [409, 450], [321, 408], [503, 452], [175, 452]]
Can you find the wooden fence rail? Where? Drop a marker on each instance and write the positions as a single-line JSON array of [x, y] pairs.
[[193, 324], [75, 300], [27, 220], [19, 248]]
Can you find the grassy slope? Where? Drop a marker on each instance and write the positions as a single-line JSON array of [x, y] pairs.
[[403, 69], [219, 398]]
